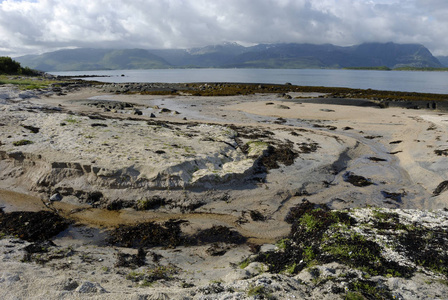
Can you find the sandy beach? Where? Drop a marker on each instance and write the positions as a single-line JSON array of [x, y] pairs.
[[239, 162]]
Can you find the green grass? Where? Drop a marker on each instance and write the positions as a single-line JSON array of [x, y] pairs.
[[22, 143], [244, 263], [26, 82], [259, 292], [72, 120]]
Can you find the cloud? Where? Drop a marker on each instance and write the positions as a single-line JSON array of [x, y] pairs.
[[45, 25]]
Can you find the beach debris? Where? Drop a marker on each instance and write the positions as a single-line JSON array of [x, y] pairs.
[[357, 180], [329, 127], [308, 147], [98, 125], [69, 285], [132, 261], [217, 234], [137, 112], [32, 226], [158, 296], [396, 152], [442, 187], [281, 106], [56, 197], [165, 110], [255, 215], [376, 159], [371, 137], [153, 202], [441, 152], [395, 142], [31, 128], [394, 196], [217, 249], [88, 287], [148, 234], [280, 121]]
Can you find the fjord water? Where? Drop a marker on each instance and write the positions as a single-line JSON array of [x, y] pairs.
[[407, 81]]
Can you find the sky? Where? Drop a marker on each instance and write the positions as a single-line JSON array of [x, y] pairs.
[[38, 26]]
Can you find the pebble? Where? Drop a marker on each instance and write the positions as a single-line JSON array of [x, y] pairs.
[[56, 197]]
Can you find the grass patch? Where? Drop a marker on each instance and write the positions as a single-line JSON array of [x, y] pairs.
[[259, 292], [364, 289], [22, 143], [151, 275], [27, 82], [72, 120]]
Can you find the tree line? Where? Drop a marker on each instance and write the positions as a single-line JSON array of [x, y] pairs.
[[9, 66]]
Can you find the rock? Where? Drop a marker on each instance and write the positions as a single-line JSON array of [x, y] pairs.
[[31, 128], [27, 95], [12, 278], [267, 248], [158, 296], [165, 110], [56, 197], [152, 115], [281, 106], [90, 287], [256, 268], [236, 274], [70, 285], [442, 187], [137, 112], [357, 180], [217, 249]]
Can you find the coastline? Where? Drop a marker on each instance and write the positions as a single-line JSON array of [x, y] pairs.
[[239, 162]]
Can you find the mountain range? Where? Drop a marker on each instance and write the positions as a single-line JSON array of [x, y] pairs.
[[233, 55]]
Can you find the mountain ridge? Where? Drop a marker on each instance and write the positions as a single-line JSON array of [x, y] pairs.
[[233, 55]]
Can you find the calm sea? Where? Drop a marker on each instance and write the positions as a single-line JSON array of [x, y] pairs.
[[408, 81]]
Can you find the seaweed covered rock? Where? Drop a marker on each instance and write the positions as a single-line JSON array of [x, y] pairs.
[[376, 244], [217, 234], [149, 234], [32, 226]]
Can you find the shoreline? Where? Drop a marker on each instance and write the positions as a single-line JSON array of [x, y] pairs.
[[224, 168]]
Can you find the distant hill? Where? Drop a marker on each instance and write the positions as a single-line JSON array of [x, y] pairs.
[[232, 55], [443, 60], [85, 59]]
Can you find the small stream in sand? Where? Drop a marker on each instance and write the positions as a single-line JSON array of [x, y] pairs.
[[91, 224]]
